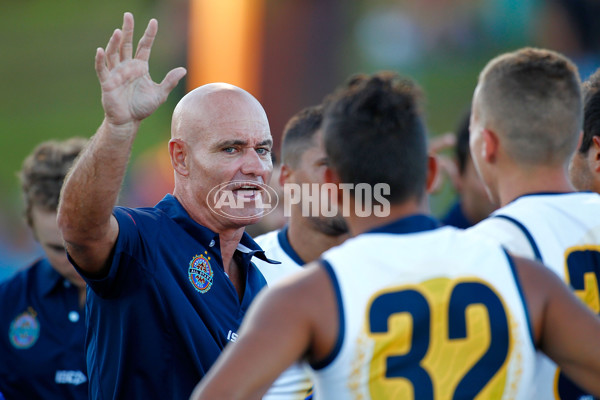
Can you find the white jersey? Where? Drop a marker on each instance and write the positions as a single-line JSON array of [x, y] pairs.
[[426, 313], [563, 232], [294, 383]]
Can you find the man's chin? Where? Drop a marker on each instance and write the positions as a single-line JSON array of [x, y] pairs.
[[243, 217]]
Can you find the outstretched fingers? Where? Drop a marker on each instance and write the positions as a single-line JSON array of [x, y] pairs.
[[112, 49], [171, 80], [145, 44], [126, 48], [101, 69]]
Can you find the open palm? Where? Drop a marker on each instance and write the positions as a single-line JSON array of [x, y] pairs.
[[128, 92]]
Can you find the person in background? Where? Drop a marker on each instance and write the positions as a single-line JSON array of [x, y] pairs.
[[525, 124], [473, 203], [584, 169], [42, 327]]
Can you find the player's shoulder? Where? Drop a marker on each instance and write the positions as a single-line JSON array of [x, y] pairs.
[[267, 240], [508, 230], [20, 282]]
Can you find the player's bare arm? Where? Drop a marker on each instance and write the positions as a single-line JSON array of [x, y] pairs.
[[90, 190], [572, 345], [292, 320]]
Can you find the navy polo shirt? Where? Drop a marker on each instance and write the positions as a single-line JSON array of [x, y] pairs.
[[166, 309], [42, 334]]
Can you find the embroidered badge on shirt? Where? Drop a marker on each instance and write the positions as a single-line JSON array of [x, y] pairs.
[[24, 330], [201, 273]]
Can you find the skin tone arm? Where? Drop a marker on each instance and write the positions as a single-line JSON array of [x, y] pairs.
[[294, 310], [572, 343], [90, 190]]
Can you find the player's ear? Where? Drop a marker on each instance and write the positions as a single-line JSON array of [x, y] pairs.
[[490, 145], [331, 176], [284, 174], [595, 150], [432, 172], [177, 151]]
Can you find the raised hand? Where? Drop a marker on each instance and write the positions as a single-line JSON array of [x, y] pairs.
[[128, 92]]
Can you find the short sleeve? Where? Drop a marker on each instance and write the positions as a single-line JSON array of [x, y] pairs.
[[126, 258]]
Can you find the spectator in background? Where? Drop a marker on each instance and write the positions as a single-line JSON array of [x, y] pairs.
[[473, 203], [584, 170], [42, 327]]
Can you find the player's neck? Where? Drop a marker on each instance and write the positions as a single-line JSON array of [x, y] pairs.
[[310, 243], [360, 225], [519, 182]]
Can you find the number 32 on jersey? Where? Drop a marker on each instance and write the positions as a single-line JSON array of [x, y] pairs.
[[441, 339]]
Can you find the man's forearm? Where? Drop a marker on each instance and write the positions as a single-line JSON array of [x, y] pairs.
[[92, 186]]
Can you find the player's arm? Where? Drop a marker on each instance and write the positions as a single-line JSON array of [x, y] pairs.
[[289, 321], [90, 190], [564, 328]]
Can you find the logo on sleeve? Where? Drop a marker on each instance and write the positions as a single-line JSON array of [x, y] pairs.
[[24, 331], [201, 273]]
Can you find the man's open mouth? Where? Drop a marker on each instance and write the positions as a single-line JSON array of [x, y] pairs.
[[246, 190]]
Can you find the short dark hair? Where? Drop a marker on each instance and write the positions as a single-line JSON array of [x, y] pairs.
[[44, 171], [591, 111], [298, 134], [461, 149], [374, 133]]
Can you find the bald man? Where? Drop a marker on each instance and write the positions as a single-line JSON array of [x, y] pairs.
[[168, 285]]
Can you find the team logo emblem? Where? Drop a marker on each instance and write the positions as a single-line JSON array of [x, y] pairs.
[[201, 273], [24, 331]]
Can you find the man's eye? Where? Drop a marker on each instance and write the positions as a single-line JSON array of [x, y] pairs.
[[263, 151], [229, 149]]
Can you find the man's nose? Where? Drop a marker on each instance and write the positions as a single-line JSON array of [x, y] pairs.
[[254, 164]]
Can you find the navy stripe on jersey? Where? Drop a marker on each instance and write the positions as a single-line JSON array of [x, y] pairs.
[[411, 224], [287, 247], [534, 247], [520, 289], [338, 296]]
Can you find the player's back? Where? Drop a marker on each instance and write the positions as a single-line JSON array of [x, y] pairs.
[[426, 314], [562, 230]]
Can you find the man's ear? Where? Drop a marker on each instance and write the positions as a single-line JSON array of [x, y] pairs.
[[331, 176], [177, 151], [490, 146], [595, 156], [284, 174], [432, 172]]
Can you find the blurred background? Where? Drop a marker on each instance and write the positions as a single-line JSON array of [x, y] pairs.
[[288, 53]]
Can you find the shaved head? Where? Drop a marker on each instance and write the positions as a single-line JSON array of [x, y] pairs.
[[213, 105], [531, 98]]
